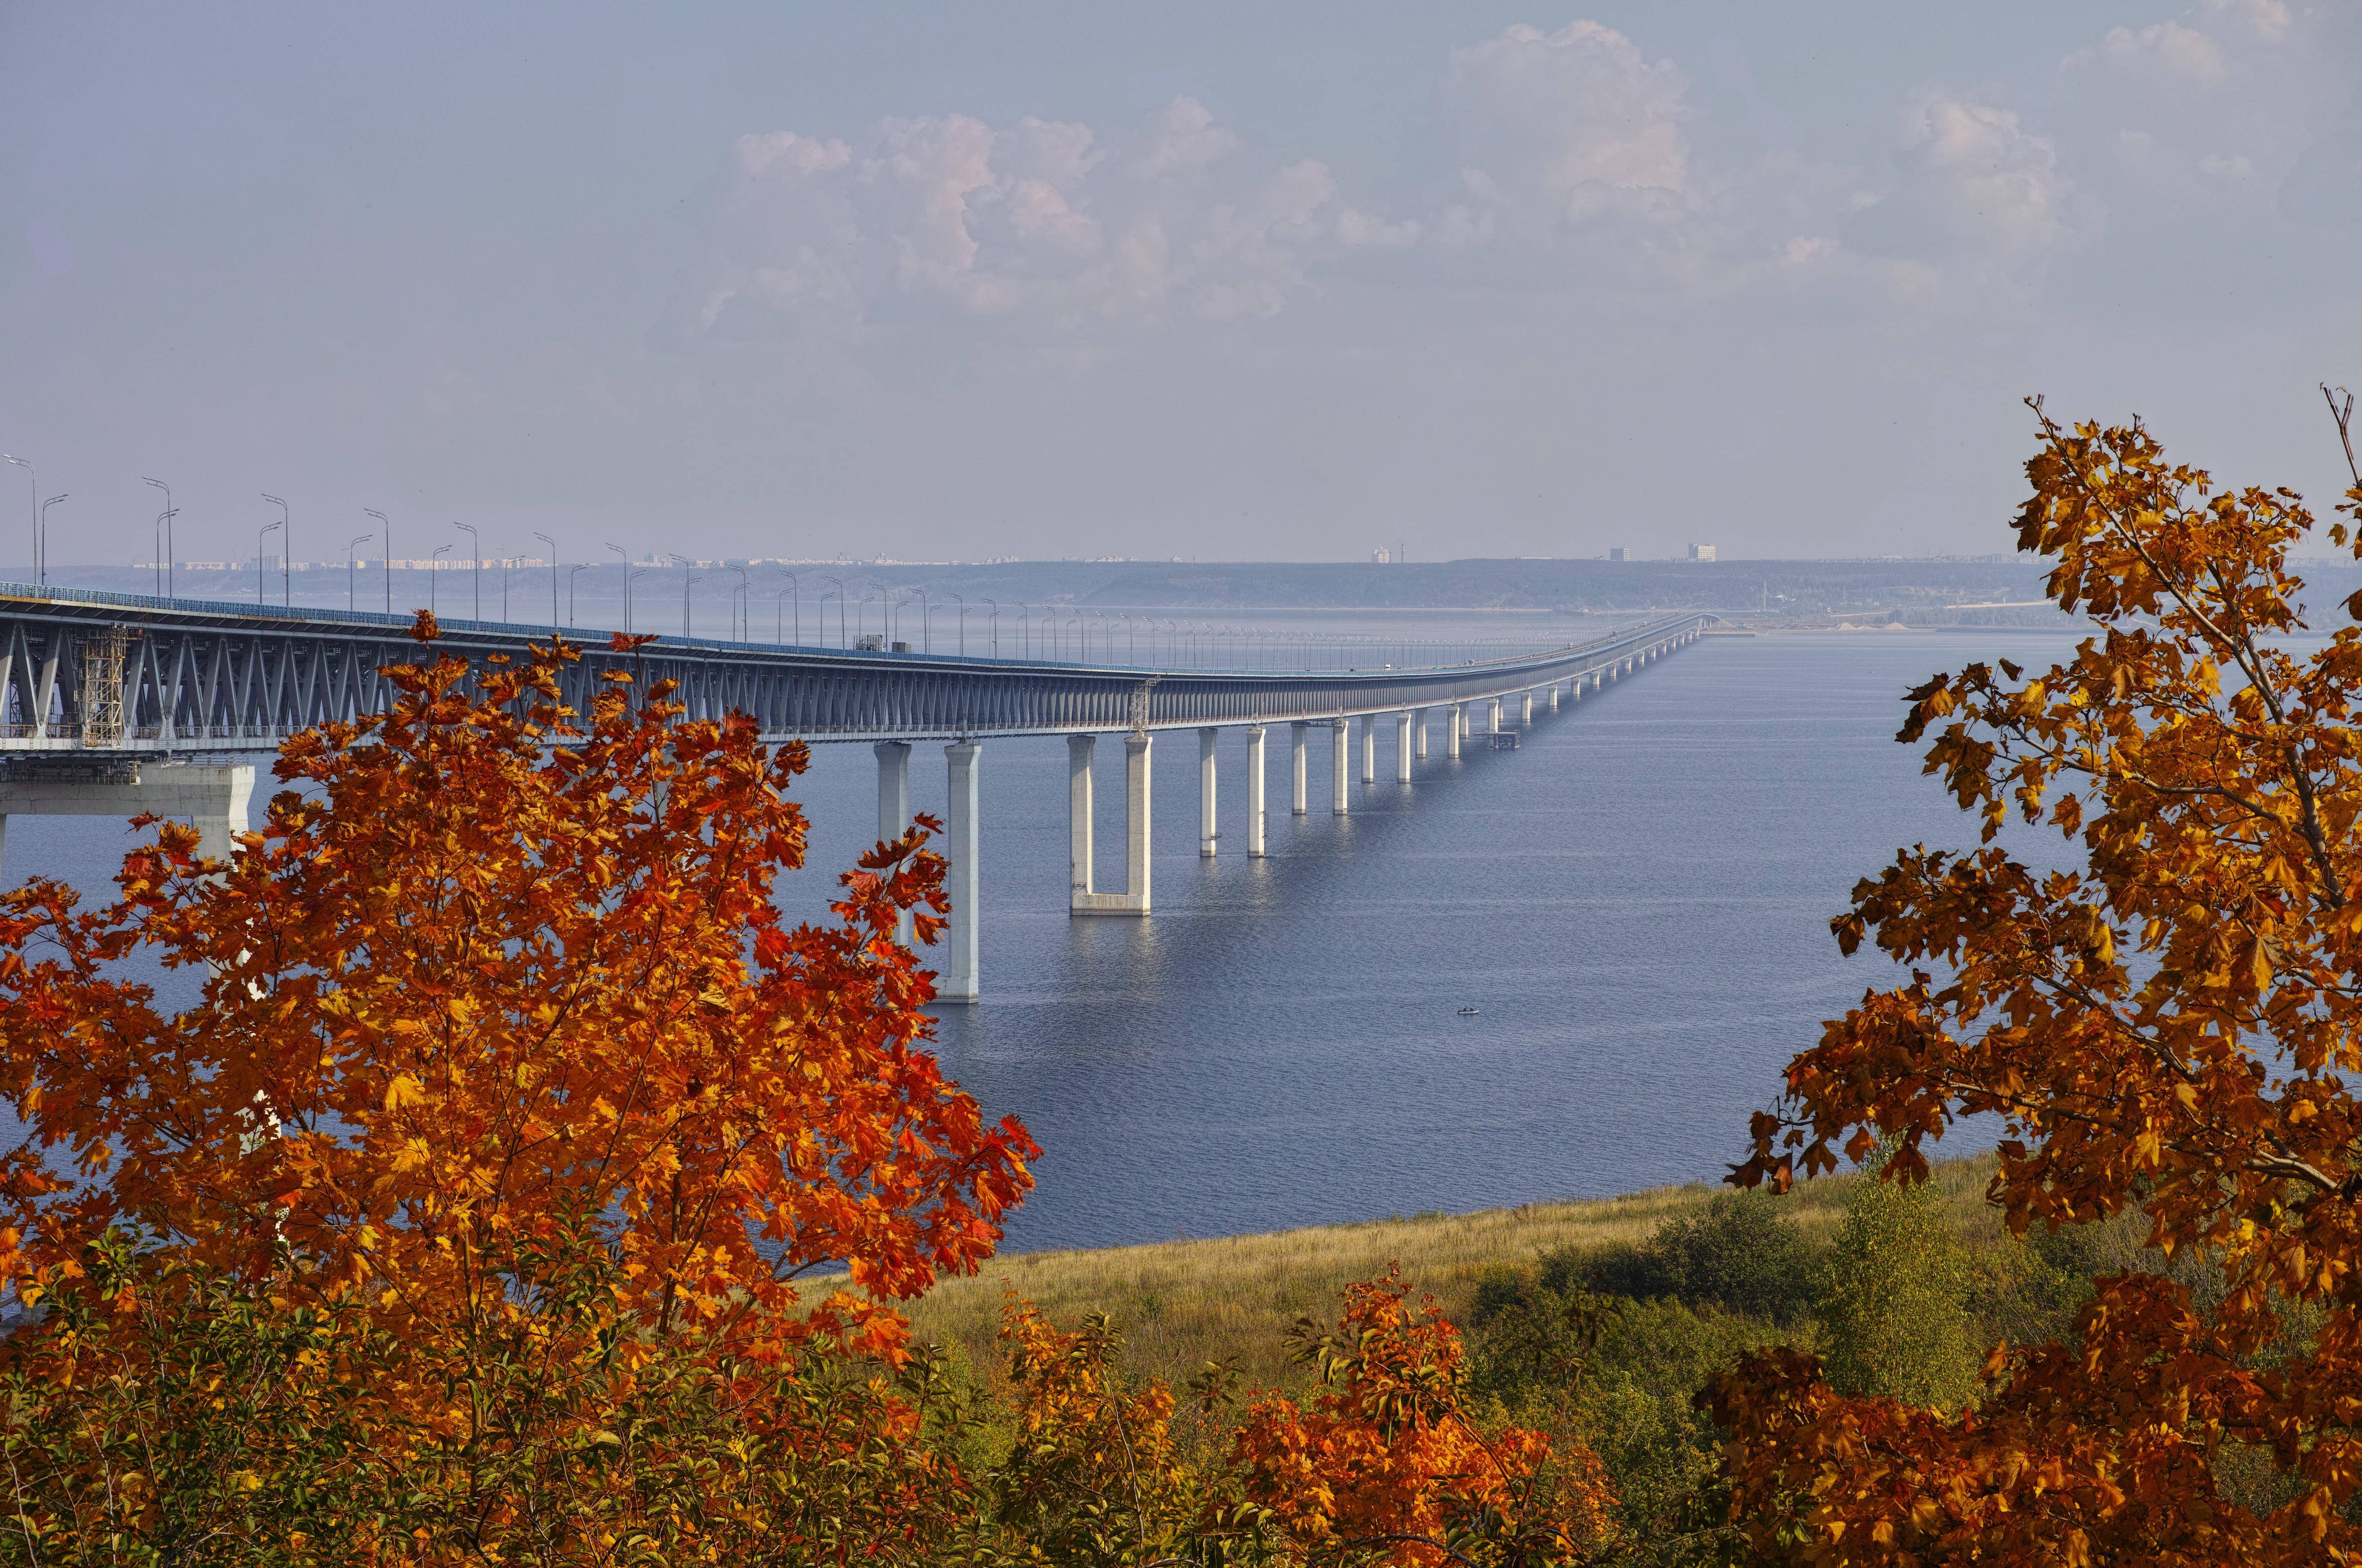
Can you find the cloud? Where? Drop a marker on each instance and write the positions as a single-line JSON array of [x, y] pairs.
[[2267, 19], [1981, 197], [1571, 125], [1035, 222], [2169, 49]]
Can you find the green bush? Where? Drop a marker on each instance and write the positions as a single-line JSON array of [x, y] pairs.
[[1741, 1254], [1894, 1300]]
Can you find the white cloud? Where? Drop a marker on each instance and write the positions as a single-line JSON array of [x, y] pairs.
[[2235, 166], [1033, 222], [1576, 123], [1988, 184], [2183, 54], [2267, 19], [1188, 143]]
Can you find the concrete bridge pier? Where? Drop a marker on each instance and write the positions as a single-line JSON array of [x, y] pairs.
[[1299, 796], [960, 981], [1418, 723], [1553, 696], [1085, 898], [1255, 791], [1338, 728], [1495, 727], [1452, 721], [214, 800], [1526, 709], [1402, 748], [894, 807], [1369, 748], [1205, 834]]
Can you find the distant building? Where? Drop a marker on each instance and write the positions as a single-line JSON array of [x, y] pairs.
[[1701, 552], [1382, 555], [1616, 554]]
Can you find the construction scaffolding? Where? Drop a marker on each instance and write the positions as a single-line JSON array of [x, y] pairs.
[[102, 687]]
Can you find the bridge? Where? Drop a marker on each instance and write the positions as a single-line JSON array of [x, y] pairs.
[[117, 703]]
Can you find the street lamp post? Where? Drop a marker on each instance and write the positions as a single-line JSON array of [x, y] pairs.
[[553, 580], [685, 580], [476, 546], [571, 573], [433, 573], [388, 526], [286, 550], [268, 529], [963, 622], [352, 569], [992, 626], [163, 522], [795, 590], [840, 616], [744, 626], [169, 511], [36, 478], [628, 585]]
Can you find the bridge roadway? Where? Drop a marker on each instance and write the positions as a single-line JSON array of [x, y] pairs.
[[115, 704]]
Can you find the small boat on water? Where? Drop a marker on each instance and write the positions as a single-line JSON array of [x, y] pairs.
[[1467, 1013]]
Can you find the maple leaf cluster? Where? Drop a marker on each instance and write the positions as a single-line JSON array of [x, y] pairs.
[[490, 962], [2172, 1022]]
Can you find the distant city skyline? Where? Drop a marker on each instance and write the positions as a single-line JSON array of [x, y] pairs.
[[1071, 281]]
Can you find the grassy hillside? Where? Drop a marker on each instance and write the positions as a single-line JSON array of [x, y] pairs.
[[1182, 1304]]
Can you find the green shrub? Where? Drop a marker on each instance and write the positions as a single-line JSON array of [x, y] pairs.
[[1741, 1252], [1894, 1300]]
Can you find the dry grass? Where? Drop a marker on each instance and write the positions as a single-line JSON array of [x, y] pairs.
[[1181, 1304]]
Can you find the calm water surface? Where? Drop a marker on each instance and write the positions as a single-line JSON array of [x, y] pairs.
[[1636, 902]]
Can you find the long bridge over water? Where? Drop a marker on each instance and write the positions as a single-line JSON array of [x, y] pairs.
[[117, 704]]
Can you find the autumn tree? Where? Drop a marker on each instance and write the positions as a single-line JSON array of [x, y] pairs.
[[2168, 1024], [499, 994]]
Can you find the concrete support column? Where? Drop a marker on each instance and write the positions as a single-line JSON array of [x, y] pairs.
[[1135, 837], [1453, 718], [959, 981], [1495, 727], [1338, 730], [1299, 798], [1255, 791], [1402, 746], [1526, 709], [1369, 748], [1084, 897], [1079, 817], [1418, 725], [1553, 696], [1205, 834], [894, 806], [212, 800]]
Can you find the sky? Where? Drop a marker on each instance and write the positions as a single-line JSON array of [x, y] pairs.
[[1214, 281]]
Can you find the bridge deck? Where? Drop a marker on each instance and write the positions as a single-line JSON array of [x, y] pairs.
[[124, 673]]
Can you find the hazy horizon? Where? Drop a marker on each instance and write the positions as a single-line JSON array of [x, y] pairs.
[[1067, 281]]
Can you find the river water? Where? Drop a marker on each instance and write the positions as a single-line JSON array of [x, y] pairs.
[[1636, 903]]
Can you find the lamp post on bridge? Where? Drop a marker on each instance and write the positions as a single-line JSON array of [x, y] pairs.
[[571, 573], [476, 547], [794, 590], [840, 613], [744, 605], [163, 522], [963, 622], [389, 555], [170, 512], [352, 570], [268, 529], [433, 574], [553, 580], [992, 624], [286, 550]]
